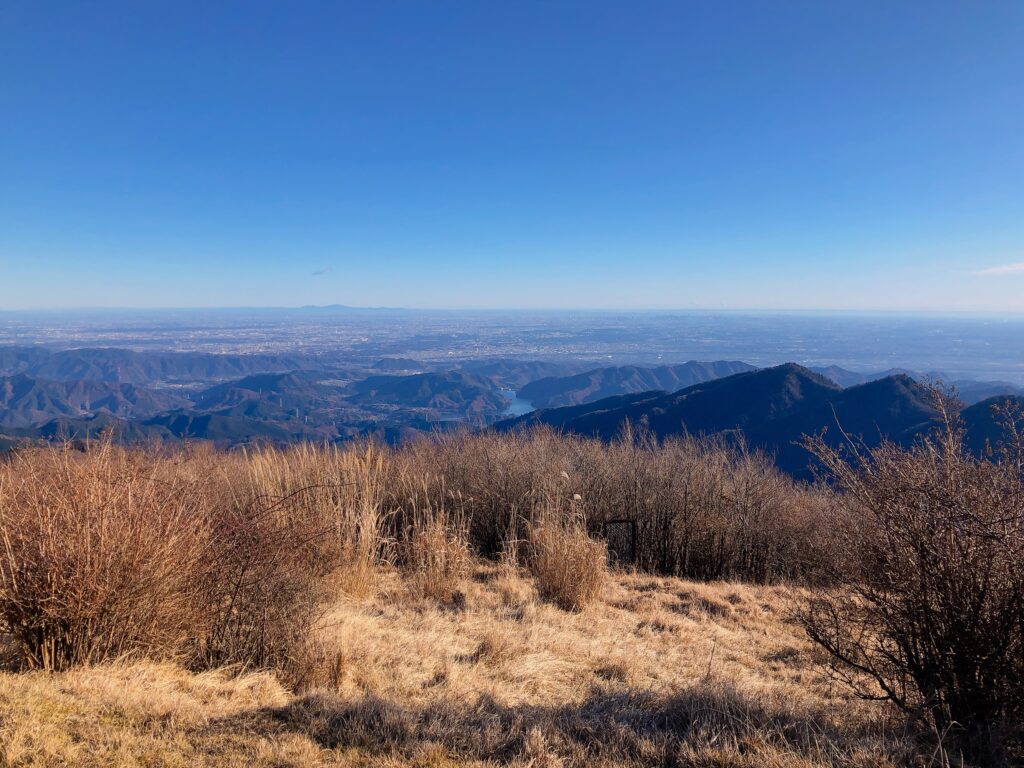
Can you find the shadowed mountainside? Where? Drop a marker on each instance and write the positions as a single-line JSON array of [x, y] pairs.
[[135, 367], [587, 387], [771, 409]]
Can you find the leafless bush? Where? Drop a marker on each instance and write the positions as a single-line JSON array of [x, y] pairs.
[[702, 508], [497, 480], [99, 553], [929, 612]]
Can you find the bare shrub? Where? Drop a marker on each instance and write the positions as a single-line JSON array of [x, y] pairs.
[[569, 566], [99, 552], [702, 508], [929, 612]]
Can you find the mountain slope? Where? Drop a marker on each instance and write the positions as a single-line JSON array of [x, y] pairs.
[[21, 359], [772, 409], [984, 427], [27, 401], [846, 378], [294, 389], [146, 367], [511, 373], [217, 426], [974, 392], [446, 392], [590, 386], [895, 408], [93, 427], [744, 400]]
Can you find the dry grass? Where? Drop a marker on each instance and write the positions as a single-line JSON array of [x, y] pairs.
[[657, 671], [358, 576], [569, 566], [435, 554], [335, 495]]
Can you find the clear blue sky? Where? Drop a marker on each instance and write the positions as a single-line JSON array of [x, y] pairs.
[[787, 154]]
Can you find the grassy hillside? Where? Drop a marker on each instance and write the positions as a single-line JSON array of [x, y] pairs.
[[524, 599], [657, 671]]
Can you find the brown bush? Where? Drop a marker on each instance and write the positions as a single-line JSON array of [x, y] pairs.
[[215, 559], [930, 604], [702, 508], [99, 555]]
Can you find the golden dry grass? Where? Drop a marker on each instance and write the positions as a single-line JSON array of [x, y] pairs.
[[569, 565], [655, 671]]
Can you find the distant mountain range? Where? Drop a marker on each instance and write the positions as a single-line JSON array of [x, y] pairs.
[[233, 399], [134, 367], [968, 391], [771, 409], [279, 407]]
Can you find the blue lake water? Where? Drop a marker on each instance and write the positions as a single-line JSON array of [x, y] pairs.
[[517, 407]]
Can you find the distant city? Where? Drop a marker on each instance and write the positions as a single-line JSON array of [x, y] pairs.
[[969, 347]]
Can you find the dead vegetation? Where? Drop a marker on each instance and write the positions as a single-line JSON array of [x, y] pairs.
[[645, 676], [929, 614], [98, 556], [569, 566], [451, 602]]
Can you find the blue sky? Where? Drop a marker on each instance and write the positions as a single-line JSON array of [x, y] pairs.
[[840, 155]]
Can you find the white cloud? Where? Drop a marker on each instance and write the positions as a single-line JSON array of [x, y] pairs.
[[322, 272], [1005, 269]]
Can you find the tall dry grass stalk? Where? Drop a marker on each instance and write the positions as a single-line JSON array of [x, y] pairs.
[[435, 553], [337, 494], [432, 534], [570, 567], [291, 526]]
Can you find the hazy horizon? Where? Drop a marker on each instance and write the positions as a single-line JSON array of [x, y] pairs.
[[554, 310]]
